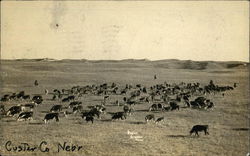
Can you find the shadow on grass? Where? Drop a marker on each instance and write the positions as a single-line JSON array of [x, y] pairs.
[[178, 136], [241, 129], [106, 120], [137, 122], [9, 120], [36, 123]]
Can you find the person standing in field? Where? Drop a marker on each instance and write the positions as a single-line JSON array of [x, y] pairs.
[[36, 83]]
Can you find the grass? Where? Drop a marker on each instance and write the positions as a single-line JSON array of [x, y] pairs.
[[228, 121]]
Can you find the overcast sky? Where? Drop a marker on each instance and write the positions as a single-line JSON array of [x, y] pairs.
[[197, 30]]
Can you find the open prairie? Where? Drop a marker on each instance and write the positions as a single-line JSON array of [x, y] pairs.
[[228, 121]]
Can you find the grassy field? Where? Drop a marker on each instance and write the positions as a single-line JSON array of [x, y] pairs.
[[228, 121]]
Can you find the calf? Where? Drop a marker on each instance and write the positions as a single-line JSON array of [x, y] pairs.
[[150, 117], [159, 120], [199, 128], [51, 116], [25, 116]]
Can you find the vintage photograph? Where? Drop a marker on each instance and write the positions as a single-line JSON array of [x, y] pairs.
[[124, 78]]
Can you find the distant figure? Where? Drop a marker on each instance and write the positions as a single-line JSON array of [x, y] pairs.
[[36, 83], [235, 85], [155, 77]]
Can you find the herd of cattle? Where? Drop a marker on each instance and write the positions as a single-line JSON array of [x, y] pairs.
[[161, 97]]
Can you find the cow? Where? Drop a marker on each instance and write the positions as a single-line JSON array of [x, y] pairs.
[[37, 99], [174, 106], [150, 117], [25, 116], [20, 94], [56, 108], [159, 120], [65, 99], [14, 110], [77, 109], [74, 104], [155, 107], [29, 106], [51, 116], [89, 118], [199, 128], [72, 97], [119, 115]]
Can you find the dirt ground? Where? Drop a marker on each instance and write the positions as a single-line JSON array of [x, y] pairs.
[[228, 121]]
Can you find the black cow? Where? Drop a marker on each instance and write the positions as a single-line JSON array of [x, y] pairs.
[[150, 117], [72, 97], [199, 128], [56, 108], [25, 116], [14, 110], [89, 118], [174, 106], [155, 107], [119, 115], [159, 120], [77, 109], [51, 116], [74, 103]]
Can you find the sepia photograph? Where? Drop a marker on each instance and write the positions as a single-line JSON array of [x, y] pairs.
[[124, 78]]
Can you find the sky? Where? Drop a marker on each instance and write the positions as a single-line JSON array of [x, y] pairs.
[[155, 30]]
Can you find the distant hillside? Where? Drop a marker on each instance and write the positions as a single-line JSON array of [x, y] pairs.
[[168, 63]]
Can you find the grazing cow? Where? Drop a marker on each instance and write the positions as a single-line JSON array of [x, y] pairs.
[[65, 99], [199, 128], [72, 97], [174, 106], [37, 99], [159, 120], [93, 112], [155, 107], [210, 105], [74, 103], [89, 118], [77, 109], [56, 108], [5, 98], [29, 106], [20, 94], [25, 116], [51, 116], [119, 115], [26, 97], [14, 110], [150, 117], [195, 104]]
